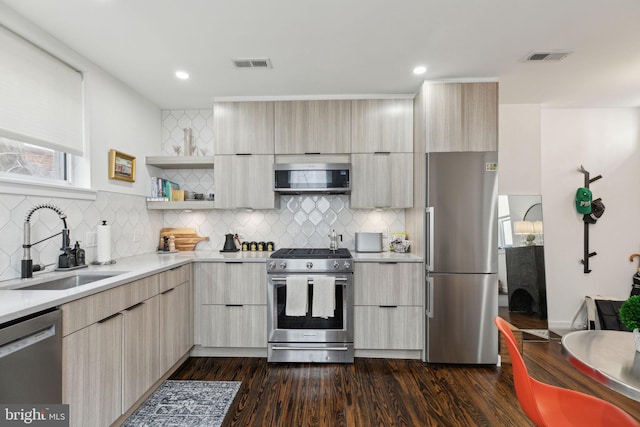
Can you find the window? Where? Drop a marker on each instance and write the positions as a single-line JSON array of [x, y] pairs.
[[27, 160]]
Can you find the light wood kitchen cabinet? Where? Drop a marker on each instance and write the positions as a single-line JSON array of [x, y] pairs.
[[383, 180], [313, 127], [141, 349], [382, 125], [119, 342], [176, 315], [92, 373], [231, 308], [245, 181], [243, 128], [461, 117], [388, 306]]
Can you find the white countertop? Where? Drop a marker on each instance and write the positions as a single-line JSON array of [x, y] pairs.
[[15, 303]]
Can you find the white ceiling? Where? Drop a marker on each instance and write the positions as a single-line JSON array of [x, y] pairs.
[[325, 48]]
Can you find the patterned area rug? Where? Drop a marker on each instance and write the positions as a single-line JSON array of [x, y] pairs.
[[186, 403]]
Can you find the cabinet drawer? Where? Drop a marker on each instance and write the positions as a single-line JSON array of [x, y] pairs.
[[234, 326], [174, 277], [379, 283], [85, 311], [388, 328], [231, 283]]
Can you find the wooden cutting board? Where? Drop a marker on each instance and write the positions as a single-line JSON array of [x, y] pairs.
[[186, 238]]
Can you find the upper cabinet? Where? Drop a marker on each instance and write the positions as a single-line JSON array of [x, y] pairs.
[[243, 127], [245, 182], [461, 116], [382, 125], [312, 127]]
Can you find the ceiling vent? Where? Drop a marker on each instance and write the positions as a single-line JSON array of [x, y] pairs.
[[553, 55], [252, 63]]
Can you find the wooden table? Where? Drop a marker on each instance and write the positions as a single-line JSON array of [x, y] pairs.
[[609, 357]]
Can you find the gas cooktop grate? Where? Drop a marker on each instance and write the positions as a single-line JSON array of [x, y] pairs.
[[311, 253]]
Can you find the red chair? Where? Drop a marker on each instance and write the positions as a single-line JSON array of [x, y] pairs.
[[547, 405]]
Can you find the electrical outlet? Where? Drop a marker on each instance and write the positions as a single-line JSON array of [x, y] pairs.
[[91, 239]]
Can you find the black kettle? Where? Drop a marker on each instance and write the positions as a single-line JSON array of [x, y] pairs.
[[229, 243]]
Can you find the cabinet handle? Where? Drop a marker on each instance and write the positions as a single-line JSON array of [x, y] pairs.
[[175, 268], [389, 262], [166, 292], [106, 319], [382, 207], [134, 306], [234, 305], [381, 153], [388, 306], [243, 154], [312, 152], [233, 262]]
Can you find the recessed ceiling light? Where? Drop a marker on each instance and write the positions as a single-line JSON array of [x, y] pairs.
[[182, 75], [421, 69]]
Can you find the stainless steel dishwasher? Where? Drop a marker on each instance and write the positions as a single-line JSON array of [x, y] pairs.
[[31, 359]]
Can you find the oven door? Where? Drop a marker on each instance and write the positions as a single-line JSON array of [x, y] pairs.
[[309, 329]]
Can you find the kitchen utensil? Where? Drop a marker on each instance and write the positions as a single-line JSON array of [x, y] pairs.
[[334, 245], [186, 238], [229, 243]]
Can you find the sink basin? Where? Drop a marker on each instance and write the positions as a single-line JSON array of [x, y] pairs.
[[68, 282]]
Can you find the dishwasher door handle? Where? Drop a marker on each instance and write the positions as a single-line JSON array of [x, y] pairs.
[[26, 341]]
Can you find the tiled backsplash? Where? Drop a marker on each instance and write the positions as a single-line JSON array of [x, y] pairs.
[[134, 229], [302, 221], [174, 123]]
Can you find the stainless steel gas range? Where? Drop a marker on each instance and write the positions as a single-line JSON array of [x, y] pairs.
[[310, 306]]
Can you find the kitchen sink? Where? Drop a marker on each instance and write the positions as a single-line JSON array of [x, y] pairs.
[[68, 282]]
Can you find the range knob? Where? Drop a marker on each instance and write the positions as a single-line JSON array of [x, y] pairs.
[[347, 264], [309, 265], [272, 265], [283, 265], [336, 264]]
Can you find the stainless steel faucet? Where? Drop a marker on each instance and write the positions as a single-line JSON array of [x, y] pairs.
[[27, 262]]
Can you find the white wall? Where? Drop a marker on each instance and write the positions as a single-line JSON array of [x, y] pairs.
[[606, 142], [519, 149]]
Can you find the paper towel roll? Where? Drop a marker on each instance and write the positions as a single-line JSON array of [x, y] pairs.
[[104, 242]]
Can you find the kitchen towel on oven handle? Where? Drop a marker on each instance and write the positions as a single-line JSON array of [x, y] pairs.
[[297, 296], [324, 297]]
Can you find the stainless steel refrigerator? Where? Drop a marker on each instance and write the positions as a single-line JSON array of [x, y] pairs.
[[461, 257]]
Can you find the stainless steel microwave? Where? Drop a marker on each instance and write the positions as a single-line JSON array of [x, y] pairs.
[[299, 178]]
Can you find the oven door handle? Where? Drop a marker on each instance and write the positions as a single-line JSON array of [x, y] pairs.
[[284, 279], [275, 347]]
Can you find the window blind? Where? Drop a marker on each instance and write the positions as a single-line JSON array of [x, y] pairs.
[[40, 96]]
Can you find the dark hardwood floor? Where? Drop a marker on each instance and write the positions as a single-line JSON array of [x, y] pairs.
[[522, 320], [386, 392]]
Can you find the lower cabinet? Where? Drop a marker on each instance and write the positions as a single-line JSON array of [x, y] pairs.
[[92, 380], [389, 308], [116, 344], [231, 308], [176, 324], [141, 349]]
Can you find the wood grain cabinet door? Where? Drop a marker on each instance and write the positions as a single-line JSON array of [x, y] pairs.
[[462, 117], [176, 324], [92, 373], [313, 127], [245, 181], [243, 127], [382, 125], [382, 180], [141, 348]]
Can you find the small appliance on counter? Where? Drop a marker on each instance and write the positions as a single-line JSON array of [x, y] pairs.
[[230, 243], [368, 242]]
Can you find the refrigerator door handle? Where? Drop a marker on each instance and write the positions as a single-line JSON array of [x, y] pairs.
[[430, 297], [430, 212]]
